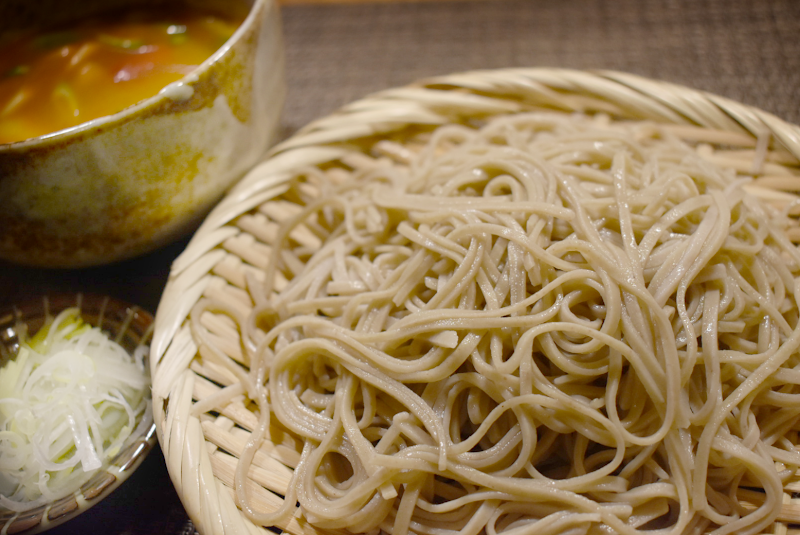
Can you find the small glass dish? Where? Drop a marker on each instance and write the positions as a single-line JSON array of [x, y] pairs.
[[128, 325]]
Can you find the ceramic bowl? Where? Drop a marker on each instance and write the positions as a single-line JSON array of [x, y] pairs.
[[131, 327], [125, 184]]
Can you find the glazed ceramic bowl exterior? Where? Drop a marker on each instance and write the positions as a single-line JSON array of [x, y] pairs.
[[125, 184]]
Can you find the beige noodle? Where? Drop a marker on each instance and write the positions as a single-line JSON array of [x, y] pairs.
[[543, 325]]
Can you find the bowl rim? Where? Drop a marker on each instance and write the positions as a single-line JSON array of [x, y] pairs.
[[115, 471], [175, 91]]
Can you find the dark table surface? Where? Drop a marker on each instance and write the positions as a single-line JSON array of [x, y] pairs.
[[745, 50]]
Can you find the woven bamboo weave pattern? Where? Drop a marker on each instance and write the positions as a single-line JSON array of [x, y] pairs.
[[201, 439]]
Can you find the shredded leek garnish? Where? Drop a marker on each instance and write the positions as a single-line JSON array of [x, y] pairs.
[[68, 402]]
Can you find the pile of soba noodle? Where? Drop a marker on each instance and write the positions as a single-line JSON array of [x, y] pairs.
[[545, 325]]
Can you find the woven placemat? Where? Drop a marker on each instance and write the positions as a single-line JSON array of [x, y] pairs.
[[742, 49]]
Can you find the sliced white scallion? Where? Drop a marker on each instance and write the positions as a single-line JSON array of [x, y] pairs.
[[68, 402]]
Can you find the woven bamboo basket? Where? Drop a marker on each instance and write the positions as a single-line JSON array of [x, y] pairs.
[[202, 441]]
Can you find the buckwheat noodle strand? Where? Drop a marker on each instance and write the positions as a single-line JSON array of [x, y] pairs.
[[546, 324]]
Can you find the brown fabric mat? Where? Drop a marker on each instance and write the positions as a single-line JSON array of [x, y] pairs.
[[746, 50]]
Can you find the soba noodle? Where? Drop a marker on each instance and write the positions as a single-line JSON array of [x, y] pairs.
[[542, 325]]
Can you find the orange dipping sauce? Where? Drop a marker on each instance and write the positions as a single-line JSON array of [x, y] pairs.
[[62, 78]]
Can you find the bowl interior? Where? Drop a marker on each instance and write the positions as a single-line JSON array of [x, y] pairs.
[[17, 16], [131, 327], [20, 18]]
